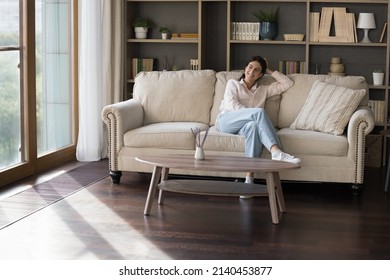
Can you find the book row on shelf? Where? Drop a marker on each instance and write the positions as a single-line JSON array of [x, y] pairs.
[[245, 30], [143, 64], [378, 108], [150, 64], [291, 67], [184, 36]]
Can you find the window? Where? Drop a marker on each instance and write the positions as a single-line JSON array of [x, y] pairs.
[[10, 85]]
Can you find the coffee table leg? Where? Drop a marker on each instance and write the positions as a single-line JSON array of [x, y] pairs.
[[270, 178], [164, 176], [279, 192], [152, 189]]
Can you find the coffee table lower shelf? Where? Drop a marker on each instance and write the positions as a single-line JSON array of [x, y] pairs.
[[215, 188], [222, 188]]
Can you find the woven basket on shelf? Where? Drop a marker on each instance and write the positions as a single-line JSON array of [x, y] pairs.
[[293, 37]]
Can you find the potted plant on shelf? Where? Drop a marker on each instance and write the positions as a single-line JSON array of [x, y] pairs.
[[377, 77], [141, 26], [164, 32], [268, 22]]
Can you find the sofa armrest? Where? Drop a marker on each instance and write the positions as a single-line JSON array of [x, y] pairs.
[[361, 123], [119, 118], [362, 120]]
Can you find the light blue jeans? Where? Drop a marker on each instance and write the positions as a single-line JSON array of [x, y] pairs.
[[254, 124]]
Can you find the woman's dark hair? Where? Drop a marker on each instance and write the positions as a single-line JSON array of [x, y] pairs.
[[259, 59]]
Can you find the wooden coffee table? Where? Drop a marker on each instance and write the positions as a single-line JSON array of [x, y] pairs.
[[271, 168]]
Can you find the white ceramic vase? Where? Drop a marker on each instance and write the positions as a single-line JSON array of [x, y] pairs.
[[377, 78], [199, 153]]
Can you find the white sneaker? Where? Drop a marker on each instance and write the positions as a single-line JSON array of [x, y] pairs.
[[282, 156], [247, 181], [246, 196]]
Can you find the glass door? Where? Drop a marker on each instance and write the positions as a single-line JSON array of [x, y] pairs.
[[53, 82], [37, 86], [12, 146]]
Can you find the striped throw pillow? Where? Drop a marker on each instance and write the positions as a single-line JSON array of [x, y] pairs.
[[328, 108]]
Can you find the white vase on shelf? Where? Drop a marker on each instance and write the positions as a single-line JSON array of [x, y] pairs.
[[377, 78]]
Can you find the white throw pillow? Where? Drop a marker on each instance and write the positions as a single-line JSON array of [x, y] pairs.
[[328, 108]]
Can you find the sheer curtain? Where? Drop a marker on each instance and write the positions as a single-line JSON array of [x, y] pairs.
[[100, 72]]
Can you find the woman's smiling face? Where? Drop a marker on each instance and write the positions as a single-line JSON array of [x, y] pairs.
[[253, 71]]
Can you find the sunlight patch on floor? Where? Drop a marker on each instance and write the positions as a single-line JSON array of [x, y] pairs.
[[74, 231]]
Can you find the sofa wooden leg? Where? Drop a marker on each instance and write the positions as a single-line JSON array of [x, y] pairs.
[[116, 176]]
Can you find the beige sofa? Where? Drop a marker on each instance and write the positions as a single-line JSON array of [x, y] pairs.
[[166, 105]]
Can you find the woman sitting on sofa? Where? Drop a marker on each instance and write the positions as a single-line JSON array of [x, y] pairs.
[[242, 111]]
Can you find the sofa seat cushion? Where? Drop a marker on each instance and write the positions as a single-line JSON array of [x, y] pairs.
[[219, 141], [306, 142], [293, 141], [169, 135]]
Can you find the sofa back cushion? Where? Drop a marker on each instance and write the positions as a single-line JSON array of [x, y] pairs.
[[294, 98], [175, 96], [271, 105]]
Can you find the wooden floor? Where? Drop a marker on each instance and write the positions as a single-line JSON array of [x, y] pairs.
[[105, 221]]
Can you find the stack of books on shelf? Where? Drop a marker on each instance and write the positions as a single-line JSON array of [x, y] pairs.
[[291, 67], [245, 30], [344, 25], [143, 64], [184, 36], [194, 64], [378, 108]]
